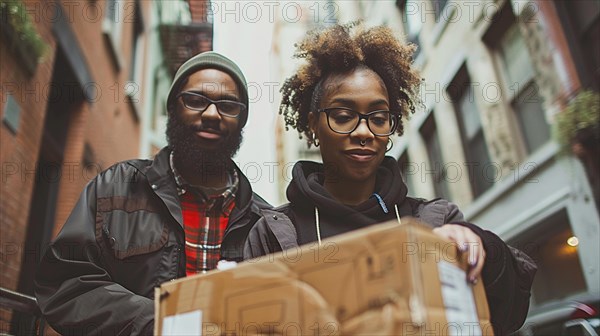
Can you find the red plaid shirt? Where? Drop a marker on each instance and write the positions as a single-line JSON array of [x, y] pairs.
[[205, 219], [205, 224]]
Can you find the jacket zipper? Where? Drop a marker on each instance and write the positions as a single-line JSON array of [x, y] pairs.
[[177, 261]]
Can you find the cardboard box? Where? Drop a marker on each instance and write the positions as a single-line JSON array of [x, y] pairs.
[[387, 279]]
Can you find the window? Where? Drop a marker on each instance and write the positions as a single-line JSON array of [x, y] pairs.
[[136, 41], [112, 26], [12, 113], [436, 163], [523, 92], [529, 113], [133, 88], [412, 21], [438, 7], [469, 120], [518, 76]]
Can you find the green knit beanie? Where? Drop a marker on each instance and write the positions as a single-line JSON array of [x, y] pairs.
[[210, 60]]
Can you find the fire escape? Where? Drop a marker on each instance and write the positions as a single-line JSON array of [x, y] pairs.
[[182, 41]]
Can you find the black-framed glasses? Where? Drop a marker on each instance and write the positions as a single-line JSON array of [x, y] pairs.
[[344, 120], [197, 102]]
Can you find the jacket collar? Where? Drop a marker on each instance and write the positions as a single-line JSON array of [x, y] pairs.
[[162, 182]]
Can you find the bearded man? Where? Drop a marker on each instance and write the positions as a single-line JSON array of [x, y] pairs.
[[143, 222]]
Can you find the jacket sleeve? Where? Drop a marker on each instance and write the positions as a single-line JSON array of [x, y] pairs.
[[261, 241], [508, 276], [437, 212], [74, 290]]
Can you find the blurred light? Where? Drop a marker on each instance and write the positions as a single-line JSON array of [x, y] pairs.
[[573, 241]]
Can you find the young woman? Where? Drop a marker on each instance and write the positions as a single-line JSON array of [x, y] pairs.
[[348, 99]]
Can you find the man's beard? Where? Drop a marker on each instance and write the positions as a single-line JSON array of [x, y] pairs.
[[183, 140]]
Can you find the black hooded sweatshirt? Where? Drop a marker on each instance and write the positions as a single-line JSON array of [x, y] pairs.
[[306, 192], [507, 274]]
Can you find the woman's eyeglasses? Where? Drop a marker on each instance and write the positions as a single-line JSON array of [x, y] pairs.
[[344, 120]]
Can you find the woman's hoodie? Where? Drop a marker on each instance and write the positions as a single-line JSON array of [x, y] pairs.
[[307, 193]]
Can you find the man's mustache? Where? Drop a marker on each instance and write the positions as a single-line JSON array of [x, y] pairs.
[[205, 128]]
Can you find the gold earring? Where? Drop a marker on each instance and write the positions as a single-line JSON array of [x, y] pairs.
[[390, 145]]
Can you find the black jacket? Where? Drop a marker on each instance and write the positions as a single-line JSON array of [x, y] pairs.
[[507, 273], [124, 238]]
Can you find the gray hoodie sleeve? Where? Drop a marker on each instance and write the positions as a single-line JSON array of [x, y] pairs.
[[438, 212], [260, 241], [272, 233]]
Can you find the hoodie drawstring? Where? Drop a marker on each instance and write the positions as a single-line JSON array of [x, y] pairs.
[[381, 202], [397, 214], [318, 226]]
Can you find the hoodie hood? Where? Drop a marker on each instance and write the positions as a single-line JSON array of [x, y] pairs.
[[306, 191]]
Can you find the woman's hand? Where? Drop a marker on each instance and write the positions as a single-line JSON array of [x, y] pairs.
[[467, 241]]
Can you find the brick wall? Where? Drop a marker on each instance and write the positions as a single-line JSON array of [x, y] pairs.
[[18, 152], [107, 125]]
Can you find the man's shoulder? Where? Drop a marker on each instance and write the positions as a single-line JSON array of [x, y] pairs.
[[137, 165], [124, 171]]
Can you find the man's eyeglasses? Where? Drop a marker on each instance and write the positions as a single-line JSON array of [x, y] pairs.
[[197, 102], [344, 120]]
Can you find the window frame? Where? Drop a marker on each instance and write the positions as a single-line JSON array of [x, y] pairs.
[[503, 21], [428, 132], [438, 8], [458, 87], [112, 29], [135, 77], [411, 37]]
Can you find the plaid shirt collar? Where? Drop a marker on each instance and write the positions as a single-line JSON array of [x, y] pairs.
[[222, 200]]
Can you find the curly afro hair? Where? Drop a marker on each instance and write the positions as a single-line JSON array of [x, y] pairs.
[[338, 50]]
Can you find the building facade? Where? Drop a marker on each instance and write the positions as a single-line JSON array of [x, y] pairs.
[[66, 115], [496, 73]]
